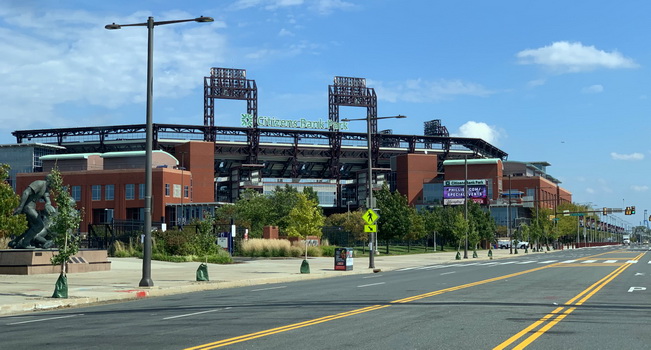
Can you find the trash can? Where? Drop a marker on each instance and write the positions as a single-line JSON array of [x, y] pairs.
[[344, 259]]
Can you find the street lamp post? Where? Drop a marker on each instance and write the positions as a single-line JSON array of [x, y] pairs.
[[146, 280], [465, 205], [369, 176]]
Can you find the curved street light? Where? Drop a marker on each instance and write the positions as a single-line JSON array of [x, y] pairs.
[[146, 280], [369, 184]]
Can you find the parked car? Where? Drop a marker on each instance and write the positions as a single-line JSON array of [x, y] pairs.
[[505, 244]]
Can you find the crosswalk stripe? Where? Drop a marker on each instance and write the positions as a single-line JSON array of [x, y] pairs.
[[632, 262], [588, 261], [548, 262], [567, 261], [610, 261]]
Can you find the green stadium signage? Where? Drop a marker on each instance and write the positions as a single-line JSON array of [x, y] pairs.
[[272, 122]]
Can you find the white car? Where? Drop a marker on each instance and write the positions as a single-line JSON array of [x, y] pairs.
[[505, 244]]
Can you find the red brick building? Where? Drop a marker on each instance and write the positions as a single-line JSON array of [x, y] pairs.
[[111, 185]]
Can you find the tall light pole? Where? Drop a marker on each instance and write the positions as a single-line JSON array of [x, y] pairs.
[[508, 218], [465, 205], [146, 280], [369, 176]]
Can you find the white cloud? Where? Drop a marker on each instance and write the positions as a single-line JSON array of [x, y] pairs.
[[632, 156], [83, 63], [285, 32], [324, 7], [480, 130], [418, 90], [642, 188], [535, 83], [566, 57], [590, 190], [593, 89]]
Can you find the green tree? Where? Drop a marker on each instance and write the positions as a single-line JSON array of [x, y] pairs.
[[65, 224], [282, 201], [305, 219], [482, 222], [459, 228], [351, 222], [431, 221], [253, 211], [10, 224], [394, 215], [311, 194], [416, 229]]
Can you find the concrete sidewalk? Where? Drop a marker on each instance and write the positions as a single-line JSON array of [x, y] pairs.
[[26, 293]]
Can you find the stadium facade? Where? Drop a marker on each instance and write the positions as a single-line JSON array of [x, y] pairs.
[[198, 167]]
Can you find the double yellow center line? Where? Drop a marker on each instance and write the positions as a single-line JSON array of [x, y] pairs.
[[551, 319], [312, 322]]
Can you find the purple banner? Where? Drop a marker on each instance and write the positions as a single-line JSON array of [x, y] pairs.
[[451, 192]]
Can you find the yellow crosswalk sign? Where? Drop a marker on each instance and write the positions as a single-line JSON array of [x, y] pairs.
[[370, 228], [370, 217]]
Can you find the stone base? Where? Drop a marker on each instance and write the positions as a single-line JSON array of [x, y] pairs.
[[37, 261]]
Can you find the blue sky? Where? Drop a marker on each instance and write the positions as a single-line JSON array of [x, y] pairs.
[[566, 82]]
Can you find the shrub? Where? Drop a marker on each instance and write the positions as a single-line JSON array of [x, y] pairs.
[[328, 250], [258, 247], [4, 242], [121, 250]]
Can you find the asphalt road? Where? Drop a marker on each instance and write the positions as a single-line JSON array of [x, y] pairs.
[[578, 299]]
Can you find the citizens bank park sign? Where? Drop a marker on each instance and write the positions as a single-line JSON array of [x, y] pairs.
[[272, 122]]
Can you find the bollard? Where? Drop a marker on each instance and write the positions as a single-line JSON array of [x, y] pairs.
[[305, 267], [202, 273]]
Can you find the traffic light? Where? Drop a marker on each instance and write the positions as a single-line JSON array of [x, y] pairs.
[[605, 211], [627, 211], [633, 210]]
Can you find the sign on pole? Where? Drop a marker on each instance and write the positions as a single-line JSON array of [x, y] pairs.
[[370, 228], [370, 216]]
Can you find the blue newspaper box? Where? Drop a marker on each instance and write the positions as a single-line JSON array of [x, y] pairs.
[[344, 259]]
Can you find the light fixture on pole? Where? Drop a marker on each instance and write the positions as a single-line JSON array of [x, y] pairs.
[[369, 176], [146, 280]]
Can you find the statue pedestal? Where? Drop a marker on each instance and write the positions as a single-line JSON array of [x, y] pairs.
[[37, 261]]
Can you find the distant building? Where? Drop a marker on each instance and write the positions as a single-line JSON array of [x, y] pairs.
[[25, 158]]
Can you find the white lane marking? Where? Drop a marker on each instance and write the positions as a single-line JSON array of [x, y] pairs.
[[632, 262], [270, 288], [567, 261], [610, 261], [447, 273], [408, 268], [548, 262], [588, 261], [432, 267], [633, 289], [194, 313], [639, 274], [525, 262], [374, 276], [506, 263], [43, 319], [369, 285], [488, 264]]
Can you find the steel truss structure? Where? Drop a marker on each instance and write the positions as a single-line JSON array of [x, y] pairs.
[[247, 154], [284, 153]]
